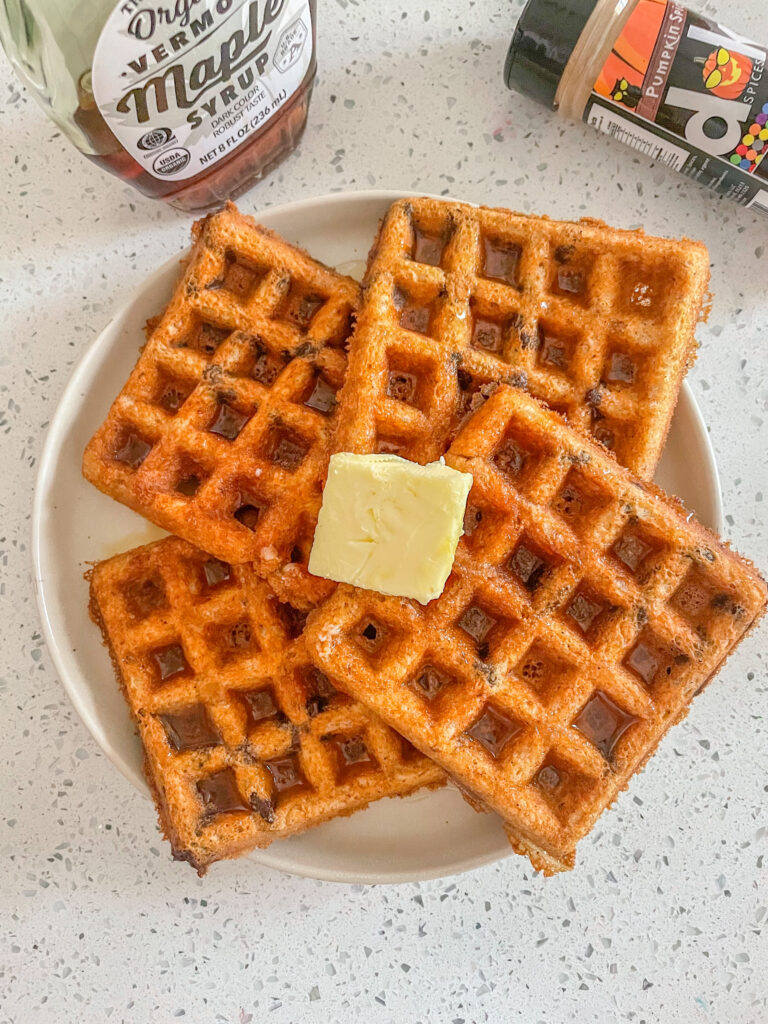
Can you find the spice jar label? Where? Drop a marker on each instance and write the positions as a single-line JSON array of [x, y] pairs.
[[183, 84], [690, 94]]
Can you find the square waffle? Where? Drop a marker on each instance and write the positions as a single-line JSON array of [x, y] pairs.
[[584, 612], [597, 322], [244, 740], [221, 434]]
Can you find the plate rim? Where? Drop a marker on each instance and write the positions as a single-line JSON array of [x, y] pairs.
[[57, 647]]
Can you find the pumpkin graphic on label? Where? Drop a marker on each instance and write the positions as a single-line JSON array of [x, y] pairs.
[[726, 73]]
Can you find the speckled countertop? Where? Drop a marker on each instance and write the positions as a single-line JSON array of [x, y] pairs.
[[665, 916]]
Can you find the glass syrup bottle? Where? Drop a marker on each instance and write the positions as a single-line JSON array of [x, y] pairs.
[[190, 101]]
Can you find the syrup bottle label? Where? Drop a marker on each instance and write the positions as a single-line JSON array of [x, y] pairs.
[[182, 84], [690, 94]]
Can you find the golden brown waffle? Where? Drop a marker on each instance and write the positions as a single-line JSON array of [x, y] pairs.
[[244, 741], [584, 612], [221, 434], [595, 321]]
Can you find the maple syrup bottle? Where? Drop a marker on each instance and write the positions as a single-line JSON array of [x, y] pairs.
[[190, 101]]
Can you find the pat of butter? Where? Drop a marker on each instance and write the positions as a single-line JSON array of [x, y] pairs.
[[389, 525]]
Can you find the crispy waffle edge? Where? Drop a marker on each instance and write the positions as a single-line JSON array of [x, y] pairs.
[[541, 859]]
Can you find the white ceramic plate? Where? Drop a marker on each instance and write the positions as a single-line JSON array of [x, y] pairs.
[[424, 836]]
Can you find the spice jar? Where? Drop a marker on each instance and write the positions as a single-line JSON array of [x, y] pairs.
[[190, 101], [679, 87]]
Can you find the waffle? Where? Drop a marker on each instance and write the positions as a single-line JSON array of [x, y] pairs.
[[244, 741], [595, 321], [584, 612], [221, 434]]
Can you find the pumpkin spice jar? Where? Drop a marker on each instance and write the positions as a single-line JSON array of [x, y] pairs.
[[670, 83]]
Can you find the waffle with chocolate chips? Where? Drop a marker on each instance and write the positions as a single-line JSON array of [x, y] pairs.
[[597, 322], [221, 434], [584, 612], [245, 741]]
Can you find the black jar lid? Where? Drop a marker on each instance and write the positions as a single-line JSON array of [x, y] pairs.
[[544, 39]]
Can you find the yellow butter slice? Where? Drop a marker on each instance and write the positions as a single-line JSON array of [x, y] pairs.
[[389, 525]]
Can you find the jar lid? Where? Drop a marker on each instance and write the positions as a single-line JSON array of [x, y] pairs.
[[544, 39]]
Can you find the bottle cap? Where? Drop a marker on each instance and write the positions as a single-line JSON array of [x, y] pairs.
[[544, 39]]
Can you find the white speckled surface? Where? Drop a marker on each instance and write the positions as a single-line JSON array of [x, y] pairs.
[[664, 918]]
